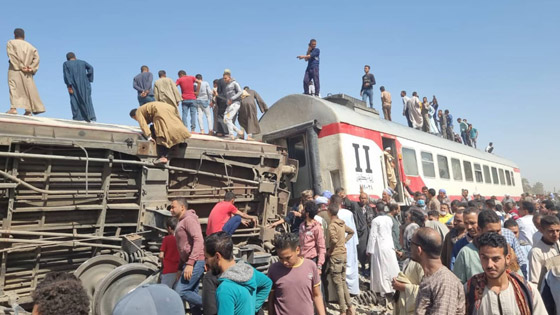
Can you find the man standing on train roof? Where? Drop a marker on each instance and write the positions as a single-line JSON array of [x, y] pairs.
[[442, 120], [312, 71], [450, 134], [23, 64], [166, 91], [78, 76], [168, 128], [368, 81], [142, 83], [415, 111], [248, 112], [473, 135], [463, 126], [386, 103], [405, 108]]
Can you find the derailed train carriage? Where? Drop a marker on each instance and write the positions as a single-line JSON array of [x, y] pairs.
[[86, 198]]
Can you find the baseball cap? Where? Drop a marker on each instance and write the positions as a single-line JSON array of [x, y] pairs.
[[443, 191], [150, 299], [321, 200], [327, 194]]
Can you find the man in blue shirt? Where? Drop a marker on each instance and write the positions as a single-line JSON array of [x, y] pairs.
[[312, 71], [142, 83]]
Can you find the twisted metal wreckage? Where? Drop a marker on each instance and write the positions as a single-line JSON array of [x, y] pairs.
[[86, 198]]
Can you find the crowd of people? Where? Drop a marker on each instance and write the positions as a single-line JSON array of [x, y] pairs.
[[222, 105], [230, 103], [473, 255], [422, 115]]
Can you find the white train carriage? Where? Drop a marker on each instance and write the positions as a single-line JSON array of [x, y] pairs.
[[339, 142]]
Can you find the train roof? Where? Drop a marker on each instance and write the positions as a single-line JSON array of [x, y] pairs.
[[298, 109], [33, 129]]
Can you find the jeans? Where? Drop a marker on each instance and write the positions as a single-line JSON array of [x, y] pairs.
[[188, 290], [368, 93], [232, 224], [207, 112], [189, 106], [230, 113], [311, 74], [169, 279], [465, 137], [144, 100]]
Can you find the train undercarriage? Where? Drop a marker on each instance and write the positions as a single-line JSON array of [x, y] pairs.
[[87, 198]]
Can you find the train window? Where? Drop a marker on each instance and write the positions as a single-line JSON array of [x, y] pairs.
[[508, 178], [456, 166], [478, 173], [495, 176], [409, 162], [443, 166], [468, 171], [487, 178], [512, 180], [428, 164], [502, 177]]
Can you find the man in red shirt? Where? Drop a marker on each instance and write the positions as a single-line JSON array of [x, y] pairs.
[[186, 82], [169, 254], [190, 244], [225, 216]]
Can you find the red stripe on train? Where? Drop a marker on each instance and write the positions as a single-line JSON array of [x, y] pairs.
[[336, 128]]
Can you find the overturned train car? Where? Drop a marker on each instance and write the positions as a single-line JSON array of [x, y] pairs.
[[86, 198]]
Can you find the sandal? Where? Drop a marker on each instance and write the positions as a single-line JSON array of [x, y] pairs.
[[12, 111], [27, 113]]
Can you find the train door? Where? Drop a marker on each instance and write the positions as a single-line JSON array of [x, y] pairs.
[[301, 142], [390, 143], [297, 150]]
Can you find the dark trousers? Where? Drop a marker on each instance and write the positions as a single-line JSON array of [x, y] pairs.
[[311, 74], [407, 118], [220, 125], [450, 133]]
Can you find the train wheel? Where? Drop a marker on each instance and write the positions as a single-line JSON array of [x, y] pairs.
[[117, 284], [93, 270]]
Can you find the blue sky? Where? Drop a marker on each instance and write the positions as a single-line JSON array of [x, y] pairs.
[[493, 62]]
